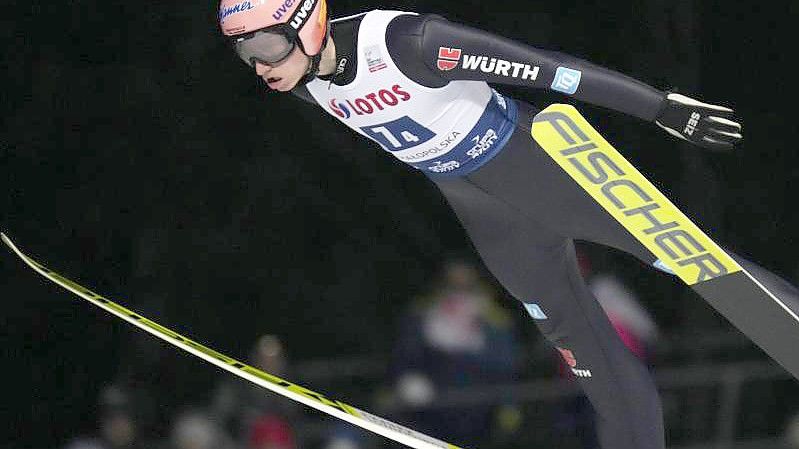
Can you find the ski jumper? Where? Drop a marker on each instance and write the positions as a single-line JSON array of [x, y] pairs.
[[417, 85]]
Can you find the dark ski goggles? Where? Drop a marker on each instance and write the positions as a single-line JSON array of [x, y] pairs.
[[269, 45]]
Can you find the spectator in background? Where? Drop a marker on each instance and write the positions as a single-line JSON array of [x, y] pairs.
[[343, 435], [456, 337], [195, 429], [238, 403], [791, 435], [119, 419], [632, 322], [271, 432]]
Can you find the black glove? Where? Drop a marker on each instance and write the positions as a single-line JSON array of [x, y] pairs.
[[702, 124]]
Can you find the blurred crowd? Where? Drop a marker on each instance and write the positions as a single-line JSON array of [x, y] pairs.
[[459, 338], [236, 415]]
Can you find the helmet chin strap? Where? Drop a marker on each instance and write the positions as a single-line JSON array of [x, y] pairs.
[[313, 68]]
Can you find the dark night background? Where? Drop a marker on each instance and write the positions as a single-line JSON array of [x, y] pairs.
[[141, 158]]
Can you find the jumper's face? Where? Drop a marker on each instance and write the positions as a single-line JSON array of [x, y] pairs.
[[284, 75]]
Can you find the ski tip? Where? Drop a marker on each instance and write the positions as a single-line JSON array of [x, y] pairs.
[[5, 238]]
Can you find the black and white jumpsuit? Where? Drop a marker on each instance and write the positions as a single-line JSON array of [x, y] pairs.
[[418, 86]]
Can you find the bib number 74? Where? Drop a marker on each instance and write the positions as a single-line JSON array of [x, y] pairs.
[[399, 134]]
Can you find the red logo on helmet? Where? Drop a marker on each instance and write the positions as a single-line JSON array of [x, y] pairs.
[[448, 58]]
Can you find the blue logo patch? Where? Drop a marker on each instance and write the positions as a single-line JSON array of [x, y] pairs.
[[566, 80], [535, 311]]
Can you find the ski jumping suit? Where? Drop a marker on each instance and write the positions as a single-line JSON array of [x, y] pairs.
[[418, 86]]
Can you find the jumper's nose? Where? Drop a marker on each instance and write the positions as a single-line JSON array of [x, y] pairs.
[[262, 69]]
